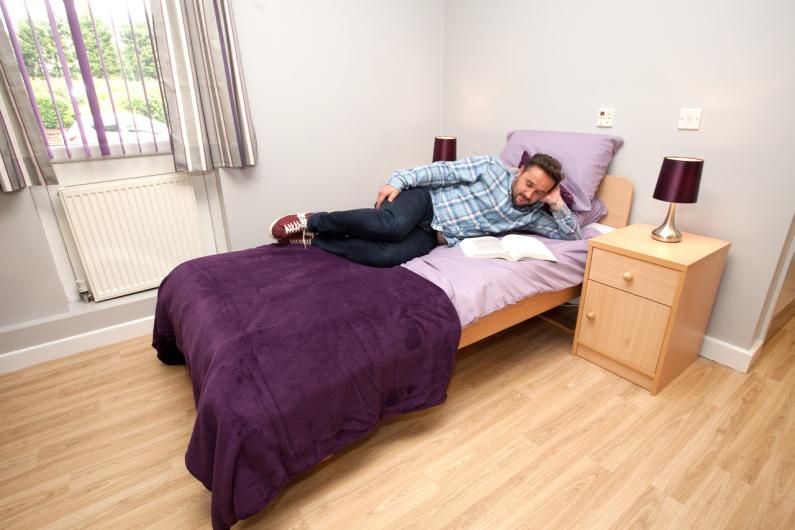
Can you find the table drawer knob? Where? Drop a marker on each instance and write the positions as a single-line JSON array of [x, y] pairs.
[[590, 315], [628, 276]]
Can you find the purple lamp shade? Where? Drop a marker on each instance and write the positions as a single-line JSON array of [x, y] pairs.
[[679, 179], [444, 148]]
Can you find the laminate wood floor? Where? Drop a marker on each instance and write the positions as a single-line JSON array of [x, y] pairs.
[[530, 437]]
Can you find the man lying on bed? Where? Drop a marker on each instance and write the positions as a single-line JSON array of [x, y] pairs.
[[438, 203]]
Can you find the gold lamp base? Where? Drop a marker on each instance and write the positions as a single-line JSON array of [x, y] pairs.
[[667, 232]]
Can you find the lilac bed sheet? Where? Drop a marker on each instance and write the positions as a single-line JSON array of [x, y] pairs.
[[478, 287], [294, 353]]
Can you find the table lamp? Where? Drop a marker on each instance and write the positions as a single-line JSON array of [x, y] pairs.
[[444, 148], [678, 182]]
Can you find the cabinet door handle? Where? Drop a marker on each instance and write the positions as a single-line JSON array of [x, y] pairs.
[[590, 315], [628, 276]]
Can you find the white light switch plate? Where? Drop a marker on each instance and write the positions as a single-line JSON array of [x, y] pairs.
[[690, 119], [604, 117]]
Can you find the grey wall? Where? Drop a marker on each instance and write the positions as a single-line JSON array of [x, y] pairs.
[[29, 284], [514, 64], [341, 94]]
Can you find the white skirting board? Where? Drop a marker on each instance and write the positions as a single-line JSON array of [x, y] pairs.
[[18, 359], [730, 355]]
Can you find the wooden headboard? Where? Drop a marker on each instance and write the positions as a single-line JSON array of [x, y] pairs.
[[616, 193]]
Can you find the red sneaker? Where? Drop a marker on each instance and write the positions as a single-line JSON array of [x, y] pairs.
[[290, 226], [305, 240]]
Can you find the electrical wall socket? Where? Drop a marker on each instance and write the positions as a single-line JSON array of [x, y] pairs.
[[604, 117], [690, 119]]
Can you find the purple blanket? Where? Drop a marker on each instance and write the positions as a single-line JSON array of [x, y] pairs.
[[295, 353]]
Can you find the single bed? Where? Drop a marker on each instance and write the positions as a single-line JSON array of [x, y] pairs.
[[295, 353]]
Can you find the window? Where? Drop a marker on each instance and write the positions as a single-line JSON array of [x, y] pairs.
[[90, 68]]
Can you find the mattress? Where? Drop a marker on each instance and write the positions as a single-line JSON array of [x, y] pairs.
[[478, 287]]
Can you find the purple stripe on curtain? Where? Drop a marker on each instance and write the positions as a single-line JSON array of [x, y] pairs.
[[46, 72], [67, 74], [85, 71], [148, 17], [23, 69], [230, 88], [105, 75]]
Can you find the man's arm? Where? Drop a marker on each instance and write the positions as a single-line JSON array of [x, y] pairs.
[[561, 224], [434, 175], [441, 174]]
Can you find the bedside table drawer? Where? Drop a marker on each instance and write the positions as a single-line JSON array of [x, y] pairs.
[[634, 276], [623, 326]]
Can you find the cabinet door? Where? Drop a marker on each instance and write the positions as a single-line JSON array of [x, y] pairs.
[[623, 326]]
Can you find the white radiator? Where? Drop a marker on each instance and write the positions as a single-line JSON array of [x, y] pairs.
[[131, 233]]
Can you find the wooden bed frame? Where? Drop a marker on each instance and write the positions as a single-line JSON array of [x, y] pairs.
[[616, 194]]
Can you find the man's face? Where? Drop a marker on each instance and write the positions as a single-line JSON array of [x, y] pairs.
[[531, 185]]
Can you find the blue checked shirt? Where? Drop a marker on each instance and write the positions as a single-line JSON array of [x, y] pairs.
[[472, 197]]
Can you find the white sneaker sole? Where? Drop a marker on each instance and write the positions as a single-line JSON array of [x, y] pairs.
[[270, 229]]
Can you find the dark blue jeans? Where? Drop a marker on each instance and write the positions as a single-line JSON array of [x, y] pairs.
[[392, 234]]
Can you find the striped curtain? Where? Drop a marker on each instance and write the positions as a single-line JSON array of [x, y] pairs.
[[25, 161], [203, 84]]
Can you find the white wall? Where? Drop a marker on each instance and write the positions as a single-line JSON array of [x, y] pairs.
[[29, 284], [341, 94], [513, 64]]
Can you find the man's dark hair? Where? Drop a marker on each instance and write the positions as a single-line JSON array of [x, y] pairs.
[[548, 164]]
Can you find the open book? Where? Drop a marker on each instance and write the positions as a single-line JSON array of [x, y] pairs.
[[513, 247]]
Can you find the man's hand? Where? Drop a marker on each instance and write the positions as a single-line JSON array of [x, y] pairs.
[[553, 199], [386, 192]]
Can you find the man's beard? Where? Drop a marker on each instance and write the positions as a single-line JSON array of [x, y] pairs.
[[517, 204]]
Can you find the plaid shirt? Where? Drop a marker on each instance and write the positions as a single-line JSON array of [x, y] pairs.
[[472, 197]]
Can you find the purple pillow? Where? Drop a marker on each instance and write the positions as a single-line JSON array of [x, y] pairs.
[[584, 158]]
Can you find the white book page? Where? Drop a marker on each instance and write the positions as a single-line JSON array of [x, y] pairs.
[[483, 247], [519, 246]]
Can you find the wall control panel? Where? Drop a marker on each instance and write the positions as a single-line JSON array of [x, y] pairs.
[[604, 117]]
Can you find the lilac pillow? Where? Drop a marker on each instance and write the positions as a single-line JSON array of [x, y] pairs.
[[584, 158], [597, 211]]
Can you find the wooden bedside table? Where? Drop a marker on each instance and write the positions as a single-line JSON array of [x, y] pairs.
[[645, 304]]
